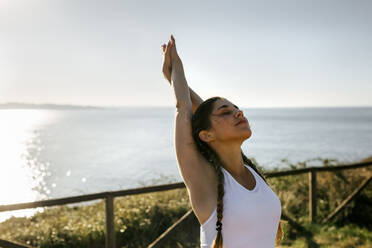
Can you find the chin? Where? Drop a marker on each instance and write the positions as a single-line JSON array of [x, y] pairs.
[[241, 135], [248, 134], [245, 133]]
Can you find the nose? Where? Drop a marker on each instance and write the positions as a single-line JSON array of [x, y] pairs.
[[239, 114]]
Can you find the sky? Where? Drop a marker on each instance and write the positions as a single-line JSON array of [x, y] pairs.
[[264, 53]]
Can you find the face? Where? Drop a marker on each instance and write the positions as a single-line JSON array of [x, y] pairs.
[[228, 122]]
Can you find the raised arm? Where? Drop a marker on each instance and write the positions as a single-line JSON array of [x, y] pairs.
[[195, 99], [191, 163], [180, 87]]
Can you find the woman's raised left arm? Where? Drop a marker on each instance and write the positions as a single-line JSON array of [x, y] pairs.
[[195, 99], [167, 72]]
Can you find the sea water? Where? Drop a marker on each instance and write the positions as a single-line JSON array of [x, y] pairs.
[[52, 153]]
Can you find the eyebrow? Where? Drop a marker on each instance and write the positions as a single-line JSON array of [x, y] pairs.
[[226, 106]]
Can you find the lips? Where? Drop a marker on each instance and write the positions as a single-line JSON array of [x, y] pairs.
[[241, 121]]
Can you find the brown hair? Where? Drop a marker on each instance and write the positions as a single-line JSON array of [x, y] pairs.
[[201, 121]]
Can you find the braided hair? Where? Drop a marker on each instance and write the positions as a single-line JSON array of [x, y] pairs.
[[201, 121]]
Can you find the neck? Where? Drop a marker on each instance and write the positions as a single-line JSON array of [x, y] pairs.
[[231, 157]]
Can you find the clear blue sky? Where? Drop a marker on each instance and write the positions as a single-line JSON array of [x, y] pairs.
[[255, 53]]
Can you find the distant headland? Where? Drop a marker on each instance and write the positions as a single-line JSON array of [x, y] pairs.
[[17, 105]]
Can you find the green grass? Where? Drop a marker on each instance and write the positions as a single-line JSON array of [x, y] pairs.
[[140, 219], [347, 236]]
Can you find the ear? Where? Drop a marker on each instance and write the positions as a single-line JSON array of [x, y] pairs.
[[206, 136]]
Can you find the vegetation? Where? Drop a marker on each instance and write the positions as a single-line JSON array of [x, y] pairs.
[[140, 219]]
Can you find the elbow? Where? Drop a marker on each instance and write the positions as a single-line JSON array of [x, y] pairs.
[[184, 114], [180, 106], [183, 107]]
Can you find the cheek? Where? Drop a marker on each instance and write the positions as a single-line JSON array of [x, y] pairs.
[[222, 125], [220, 128], [226, 130], [224, 121]]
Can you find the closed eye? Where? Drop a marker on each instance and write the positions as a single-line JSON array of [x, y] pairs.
[[226, 107]]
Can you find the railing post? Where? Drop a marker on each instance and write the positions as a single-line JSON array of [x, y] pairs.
[[312, 196], [110, 228]]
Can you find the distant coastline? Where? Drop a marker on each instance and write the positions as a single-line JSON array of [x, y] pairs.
[[20, 105], [15, 105]]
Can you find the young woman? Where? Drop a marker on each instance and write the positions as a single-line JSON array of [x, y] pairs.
[[234, 205]]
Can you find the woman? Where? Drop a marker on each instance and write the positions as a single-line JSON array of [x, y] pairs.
[[234, 205]]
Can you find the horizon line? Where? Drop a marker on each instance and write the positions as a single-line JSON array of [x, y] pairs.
[[16, 105]]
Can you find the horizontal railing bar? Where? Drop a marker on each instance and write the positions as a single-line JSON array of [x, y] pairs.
[[317, 168], [89, 197], [158, 188]]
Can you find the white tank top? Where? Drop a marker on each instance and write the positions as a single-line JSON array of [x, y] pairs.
[[250, 217]]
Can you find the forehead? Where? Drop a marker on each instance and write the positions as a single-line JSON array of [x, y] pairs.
[[222, 102]]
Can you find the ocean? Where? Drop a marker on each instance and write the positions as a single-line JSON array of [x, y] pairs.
[[52, 153]]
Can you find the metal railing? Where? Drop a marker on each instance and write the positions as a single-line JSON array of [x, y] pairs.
[[109, 196]]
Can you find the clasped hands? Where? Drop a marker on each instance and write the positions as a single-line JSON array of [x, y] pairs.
[[171, 61]]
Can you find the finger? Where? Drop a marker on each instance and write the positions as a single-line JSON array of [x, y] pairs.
[[163, 47], [173, 40], [168, 48]]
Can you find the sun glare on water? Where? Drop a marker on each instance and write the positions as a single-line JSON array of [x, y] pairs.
[[20, 174]]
